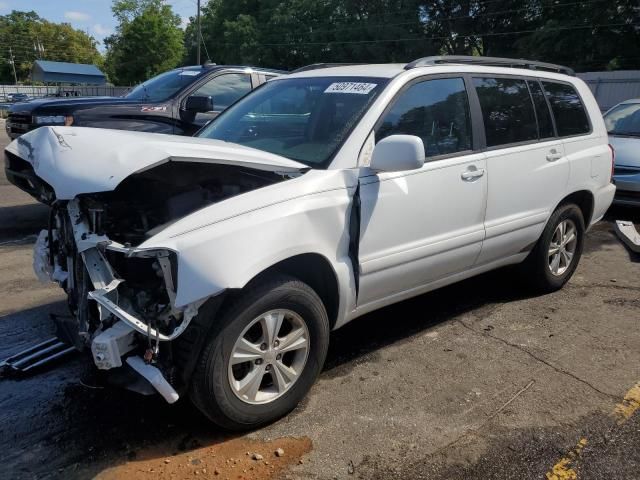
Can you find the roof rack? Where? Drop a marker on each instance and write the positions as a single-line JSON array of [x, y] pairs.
[[490, 61], [316, 66]]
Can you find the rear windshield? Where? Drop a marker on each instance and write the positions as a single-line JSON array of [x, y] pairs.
[[303, 119], [624, 120]]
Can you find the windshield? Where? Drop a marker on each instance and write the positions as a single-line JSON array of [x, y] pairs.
[[163, 86], [624, 120], [303, 119]]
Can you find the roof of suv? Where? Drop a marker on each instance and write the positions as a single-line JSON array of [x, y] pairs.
[[385, 70], [390, 70]]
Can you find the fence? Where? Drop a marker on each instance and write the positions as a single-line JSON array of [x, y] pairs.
[[611, 88], [69, 90]]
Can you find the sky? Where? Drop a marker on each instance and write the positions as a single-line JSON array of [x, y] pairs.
[[91, 16]]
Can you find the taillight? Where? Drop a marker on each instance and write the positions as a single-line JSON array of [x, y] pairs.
[[613, 159]]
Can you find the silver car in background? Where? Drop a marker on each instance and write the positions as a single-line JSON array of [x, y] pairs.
[[623, 125]]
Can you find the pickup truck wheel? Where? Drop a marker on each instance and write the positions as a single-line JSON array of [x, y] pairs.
[[264, 355], [556, 255]]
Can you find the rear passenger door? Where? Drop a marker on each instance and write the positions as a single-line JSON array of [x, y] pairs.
[[528, 171]]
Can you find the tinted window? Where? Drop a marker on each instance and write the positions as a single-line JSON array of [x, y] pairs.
[[304, 119], [545, 126], [571, 119], [507, 110], [437, 111], [226, 89]]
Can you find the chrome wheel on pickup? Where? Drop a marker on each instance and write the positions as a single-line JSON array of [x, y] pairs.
[[269, 356], [266, 347]]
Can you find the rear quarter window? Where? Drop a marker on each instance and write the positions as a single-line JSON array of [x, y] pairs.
[[568, 109]]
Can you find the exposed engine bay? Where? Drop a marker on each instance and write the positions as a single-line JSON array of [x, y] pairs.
[[146, 202], [122, 298]]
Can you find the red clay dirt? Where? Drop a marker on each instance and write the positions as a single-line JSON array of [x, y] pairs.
[[228, 460]]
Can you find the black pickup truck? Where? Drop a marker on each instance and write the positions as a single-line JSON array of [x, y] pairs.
[[179, 102]]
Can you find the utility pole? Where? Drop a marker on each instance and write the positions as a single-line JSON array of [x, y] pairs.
[[199, 33], [13, 64]]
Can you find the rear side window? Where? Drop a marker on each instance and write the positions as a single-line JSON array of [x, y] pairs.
[[545, 125], [437, 111], [571, 117], [507, 110]]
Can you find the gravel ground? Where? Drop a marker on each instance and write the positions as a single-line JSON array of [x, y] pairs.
[[480, 380]]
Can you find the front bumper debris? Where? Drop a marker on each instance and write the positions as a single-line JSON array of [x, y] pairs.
[[628, 234], [128, 324]]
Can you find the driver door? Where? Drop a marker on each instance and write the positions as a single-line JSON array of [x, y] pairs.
[[423, 225]]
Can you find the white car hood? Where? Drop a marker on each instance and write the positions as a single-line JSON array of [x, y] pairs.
[[76, 160], [627, 150]]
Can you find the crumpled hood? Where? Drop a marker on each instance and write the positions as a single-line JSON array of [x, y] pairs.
[[627, 151], [76, 160]]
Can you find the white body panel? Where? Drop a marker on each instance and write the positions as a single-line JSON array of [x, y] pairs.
[[419, 226]]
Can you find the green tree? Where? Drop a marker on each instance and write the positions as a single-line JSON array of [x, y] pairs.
[[585, 34], [291, 33], [148, 40], [29, 37]]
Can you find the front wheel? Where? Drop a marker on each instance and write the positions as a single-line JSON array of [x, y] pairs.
[[264, 356], [555, 257]]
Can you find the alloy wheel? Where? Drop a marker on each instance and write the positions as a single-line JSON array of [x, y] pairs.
[[562, 247], [269, 356]]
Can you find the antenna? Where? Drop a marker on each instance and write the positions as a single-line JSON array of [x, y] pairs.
[[199, 35]]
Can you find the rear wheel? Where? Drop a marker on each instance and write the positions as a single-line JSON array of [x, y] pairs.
[[264, 356], [556, 255]]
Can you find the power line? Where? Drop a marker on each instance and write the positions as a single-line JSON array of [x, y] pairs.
[[444, 37], [425, 21]]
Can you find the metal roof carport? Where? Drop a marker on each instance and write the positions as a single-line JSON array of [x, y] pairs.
[[64, 72]]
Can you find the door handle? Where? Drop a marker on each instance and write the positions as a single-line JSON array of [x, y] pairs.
[[470, 175], [553, 155]]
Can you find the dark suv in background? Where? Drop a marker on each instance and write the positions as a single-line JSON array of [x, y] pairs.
[[179, 101]]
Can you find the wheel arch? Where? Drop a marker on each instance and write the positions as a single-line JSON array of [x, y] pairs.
[[585, 201], [316, 271]]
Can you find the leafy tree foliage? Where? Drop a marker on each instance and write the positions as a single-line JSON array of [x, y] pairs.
[[587, 34], [147, 41], [25, 32]]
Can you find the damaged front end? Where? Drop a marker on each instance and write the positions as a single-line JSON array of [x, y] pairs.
[[121, 297], [122, 294]]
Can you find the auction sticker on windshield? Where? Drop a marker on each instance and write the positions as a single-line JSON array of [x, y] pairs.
[[351, 87]]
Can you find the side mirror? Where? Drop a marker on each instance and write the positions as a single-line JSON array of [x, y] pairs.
[[397, 153], [199, 104]]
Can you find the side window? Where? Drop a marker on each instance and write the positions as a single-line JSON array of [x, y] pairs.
[[545, 125], [507, 110], [225, 89], [571, 118], [436, 111]]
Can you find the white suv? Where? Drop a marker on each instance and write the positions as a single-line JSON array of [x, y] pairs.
[[216, 266]]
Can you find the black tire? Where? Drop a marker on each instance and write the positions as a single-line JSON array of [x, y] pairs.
[[536, 266], [210, 389]]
